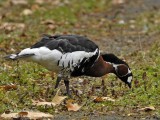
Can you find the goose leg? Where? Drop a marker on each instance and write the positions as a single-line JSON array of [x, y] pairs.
[[59, 78], [66, 82]]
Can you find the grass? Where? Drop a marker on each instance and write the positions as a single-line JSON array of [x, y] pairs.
[[35, 82]]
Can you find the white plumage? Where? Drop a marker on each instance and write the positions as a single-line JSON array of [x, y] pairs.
[[55, 60]]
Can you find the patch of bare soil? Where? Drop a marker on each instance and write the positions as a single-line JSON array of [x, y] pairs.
[[92, 116]]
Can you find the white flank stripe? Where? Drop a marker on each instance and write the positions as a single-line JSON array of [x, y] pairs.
[[76, 57]]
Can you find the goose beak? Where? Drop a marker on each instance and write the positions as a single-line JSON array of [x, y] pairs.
[[129, 85]]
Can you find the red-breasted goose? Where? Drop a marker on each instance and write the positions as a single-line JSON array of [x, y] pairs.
[[73, 55]]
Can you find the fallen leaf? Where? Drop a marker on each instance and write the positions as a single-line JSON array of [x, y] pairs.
[[98, 99], [144, 76], [35, 7], [1, 17], [39, 1], [58, 99], [30, 115], [102, 99], [50, 23], [19, 2], [47, 22], [108, 99], [38, 103], [21, 114], [116, 2], [121, 22], [72, 106], [147, 109], [27, 12], [8, 87], [57, 2], [55, 101], [6, 66], [12, 26], [52, 27]]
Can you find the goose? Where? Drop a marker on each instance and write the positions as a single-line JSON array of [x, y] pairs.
[[73, 56]]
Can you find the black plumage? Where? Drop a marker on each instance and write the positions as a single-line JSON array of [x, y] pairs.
[[67, 43], [113, 59]]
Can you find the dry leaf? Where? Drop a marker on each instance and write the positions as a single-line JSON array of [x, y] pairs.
[[72, 106], [22, 114], [38, 103], [116, 2], [6, 66], [108, 99], [12, 26], [27, 12], [147, 109], [39, 1], [52, 27], [56, 100], [144, 76], [19, 2], [30, 115], [98, 99], [8, 87], [35, 7], [102, 99], [50, 23], [47, 22]]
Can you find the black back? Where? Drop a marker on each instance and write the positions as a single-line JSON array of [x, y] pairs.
[[66, 43]]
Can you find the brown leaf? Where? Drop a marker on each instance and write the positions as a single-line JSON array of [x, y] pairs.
[[98, 99], [6, 66], [102, 99], [108, 99], [72, 106], [22, 114], [58, 99], [35, 7], [12, 26], [52, 27], [8, 87], [55, 101], [39, 1], [147, 109], [50, 23], [38, 103], [144, 76], [116, 2], [136, 83], [30, 115], [47, 22], [19, 2]]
